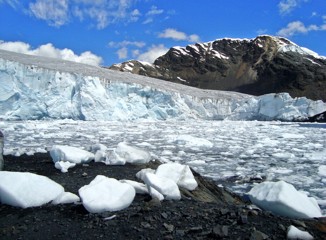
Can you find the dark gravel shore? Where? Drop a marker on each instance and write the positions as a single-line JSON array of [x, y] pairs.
[[207, 213]]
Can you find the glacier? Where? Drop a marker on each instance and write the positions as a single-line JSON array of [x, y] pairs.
[[33, 88]]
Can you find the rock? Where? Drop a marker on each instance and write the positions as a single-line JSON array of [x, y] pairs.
[[221, 231], [243, 218], [180, 232], [1, 151], [318, 118], [164, 215], [168, 227], [254, 66], [196, 229], [257, 235]]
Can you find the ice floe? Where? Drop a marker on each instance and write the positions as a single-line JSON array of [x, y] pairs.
[[106, 194], [180, 174], [283, 199], [165, 186], [24, 189], [70, 154], [125, 153], [297, 234]]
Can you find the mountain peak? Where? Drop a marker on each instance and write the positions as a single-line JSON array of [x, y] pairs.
[[261, 65]]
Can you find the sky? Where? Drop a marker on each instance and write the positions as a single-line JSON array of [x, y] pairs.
[[104, 32]]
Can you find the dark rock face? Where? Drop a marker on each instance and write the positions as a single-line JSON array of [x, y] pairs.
[[1, 151], [254, 66], [318, 118]]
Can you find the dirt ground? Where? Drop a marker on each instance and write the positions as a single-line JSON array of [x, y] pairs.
[[207, 213]]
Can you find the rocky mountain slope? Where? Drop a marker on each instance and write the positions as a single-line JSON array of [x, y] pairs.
[[257, 66]]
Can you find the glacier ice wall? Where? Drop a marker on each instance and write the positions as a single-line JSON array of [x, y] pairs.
[[41, 88]]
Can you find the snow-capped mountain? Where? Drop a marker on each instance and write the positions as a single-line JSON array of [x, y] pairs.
[[256, 66], [42, 88]]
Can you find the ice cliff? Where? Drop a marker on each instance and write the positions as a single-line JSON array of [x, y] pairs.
[[42, 88]]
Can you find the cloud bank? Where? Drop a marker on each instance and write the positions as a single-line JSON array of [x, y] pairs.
[[298, 27], [178, 36], [48, 50]]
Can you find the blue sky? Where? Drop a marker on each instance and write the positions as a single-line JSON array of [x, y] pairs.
[[111, 31]]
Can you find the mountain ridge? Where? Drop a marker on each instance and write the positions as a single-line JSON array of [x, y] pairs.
[[262, 65]]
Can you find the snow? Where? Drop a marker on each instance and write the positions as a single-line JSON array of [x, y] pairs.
[[165, 186], [41, 88], [295, 233], [106, 194], [23, 189], [283, 199], [70, 154], [180, 174]]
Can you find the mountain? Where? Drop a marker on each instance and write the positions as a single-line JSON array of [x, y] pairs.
[[34, 87], [257, 66]]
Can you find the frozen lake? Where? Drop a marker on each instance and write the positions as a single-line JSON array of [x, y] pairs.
[[230, 152]]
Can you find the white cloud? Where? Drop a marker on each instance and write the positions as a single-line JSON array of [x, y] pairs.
[[298, 27], [287, 6], [135, 14], [152, 53], [122, 53], [154, 11], [12, 3], [53, 12], [48, 50], [101, 13], [126, 43], [178, 36], [148, 20], [194, 38]]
